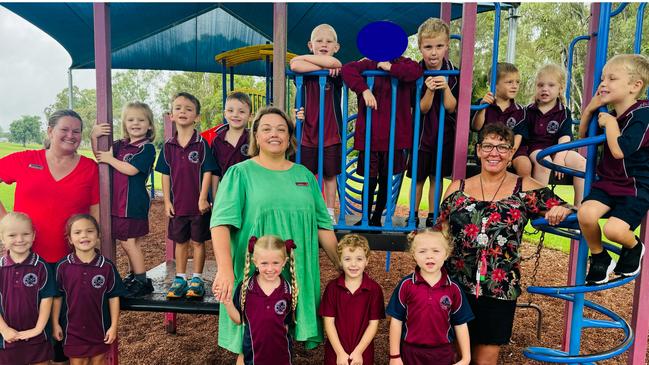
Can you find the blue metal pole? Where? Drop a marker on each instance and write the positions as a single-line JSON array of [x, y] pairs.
[[438, 157], [415, 154], [366, 161], [494, 54], [394, 82], [231, 78], [322, 82], [571, 56], [342, 192], [299, 81], [638, 28]]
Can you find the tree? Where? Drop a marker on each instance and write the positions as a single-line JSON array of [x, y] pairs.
[[26, 129]]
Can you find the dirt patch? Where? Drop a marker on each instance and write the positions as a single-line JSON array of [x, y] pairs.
[[143, 340]]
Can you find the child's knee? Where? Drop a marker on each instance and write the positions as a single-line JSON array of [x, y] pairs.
[[616, 229], [587, 214], [198, 245]]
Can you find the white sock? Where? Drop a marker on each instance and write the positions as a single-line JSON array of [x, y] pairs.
[[197, 275], [181, 275]]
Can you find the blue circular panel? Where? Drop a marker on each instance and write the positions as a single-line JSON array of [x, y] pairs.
[[382, 41]]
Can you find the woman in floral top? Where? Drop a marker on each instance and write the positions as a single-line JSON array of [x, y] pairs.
[[487, 214]]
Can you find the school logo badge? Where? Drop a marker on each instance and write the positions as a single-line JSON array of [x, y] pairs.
[[280, 307], [445, 302], [30, 279], [553, 127], [244, 149], [98, 281], [128, 157], [511, 122], [193, 157]]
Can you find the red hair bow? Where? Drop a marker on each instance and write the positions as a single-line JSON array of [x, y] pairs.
[[290, 245], [251, 243]]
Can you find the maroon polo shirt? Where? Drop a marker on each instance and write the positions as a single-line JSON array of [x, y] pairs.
[[407, 72], [86, 289], [226, 154], [428, 312], [623, 177], [352, 313], [332, 112], [513, 117], [430, 120], [130, 198], [544, 130], [265, 336], [185, 167], [22, 287]]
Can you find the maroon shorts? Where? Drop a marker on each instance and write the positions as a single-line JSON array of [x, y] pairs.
[[379, 163], [124, 228], [27, 354], [81, 351], [426, 164], [425, 355], [195, 227], [330, 163]]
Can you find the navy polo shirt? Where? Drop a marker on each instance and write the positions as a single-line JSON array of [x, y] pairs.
[[226, 154], [332, 111], [428, 312], [130, 198], [86, 288], [185, 167], [513, 117], [352, 313], [544, 130], [625, 176], [22, 287], [265, 335]]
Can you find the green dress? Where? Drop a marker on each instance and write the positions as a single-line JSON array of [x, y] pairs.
[[256, 201]]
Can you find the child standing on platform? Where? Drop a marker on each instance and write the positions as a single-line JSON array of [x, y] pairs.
[[86, 312], [323, 45], [230, 145], [378, 100], [265, 302], [351, 307], [132, 160], [622, 191], [186, 164], [504, 109], [549, 123], [433, 37], [429, 311], [26, 303]]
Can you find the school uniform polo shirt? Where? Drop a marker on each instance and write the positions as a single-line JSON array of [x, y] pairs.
[[86, 289], [185, 167], [625, 176], [428, 312], [49, 203], [545, 129], [265, 334], [22, 287], [513, 117], [332, 111], [226, 154], [130, 198], [352, 313]]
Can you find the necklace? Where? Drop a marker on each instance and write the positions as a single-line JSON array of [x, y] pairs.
[[497, 190]]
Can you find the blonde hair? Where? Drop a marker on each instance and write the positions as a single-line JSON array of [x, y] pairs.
[[433, 27], [325, 27], [150, 134], [558, 72], [637, 66], [13, 217], [440, 230], [353, 241], [502, 69], [253, 147], [269, 242]]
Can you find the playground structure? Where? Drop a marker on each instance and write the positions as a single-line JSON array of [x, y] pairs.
[[391, 235]]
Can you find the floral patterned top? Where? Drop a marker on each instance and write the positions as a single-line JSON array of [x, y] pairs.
[[486, 238]]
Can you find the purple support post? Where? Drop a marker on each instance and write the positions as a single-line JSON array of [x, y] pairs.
[[445, 15], [640, 317], [469, 15], [170, 246], [101, 19], [586, 96], [279, 54]]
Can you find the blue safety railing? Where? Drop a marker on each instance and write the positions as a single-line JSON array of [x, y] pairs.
[[571, 56]]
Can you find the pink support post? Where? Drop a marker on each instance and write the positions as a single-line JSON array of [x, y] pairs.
[[587, 95], [279, 54], [469, 15], [170, 246], [445, 12], [101, 18], [640, 317]]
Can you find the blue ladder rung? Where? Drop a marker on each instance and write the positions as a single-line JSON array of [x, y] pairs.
[[568, 290], [602, 323], [570, 222], [550, 355]]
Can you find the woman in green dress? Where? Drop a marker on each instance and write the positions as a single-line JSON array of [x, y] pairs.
[[268, 194]]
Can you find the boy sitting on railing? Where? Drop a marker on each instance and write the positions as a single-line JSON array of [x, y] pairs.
[[623, 188]]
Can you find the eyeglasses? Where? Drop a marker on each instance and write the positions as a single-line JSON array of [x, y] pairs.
[[501, 148]]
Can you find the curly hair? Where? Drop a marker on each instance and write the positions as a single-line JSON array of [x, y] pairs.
[[441, 229]]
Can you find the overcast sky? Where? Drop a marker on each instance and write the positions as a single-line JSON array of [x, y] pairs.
[[33, 69]]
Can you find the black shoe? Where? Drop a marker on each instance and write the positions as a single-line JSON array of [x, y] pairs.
[[601, 265], [630, 260], [128, 279], [430, 220], [139, 289]]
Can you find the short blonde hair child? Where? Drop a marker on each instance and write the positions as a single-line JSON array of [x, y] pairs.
[[440, 230], [559, 73], [637, 66], [325, 27], [431, 28], [13, 217], [150, 134], [353, 241]]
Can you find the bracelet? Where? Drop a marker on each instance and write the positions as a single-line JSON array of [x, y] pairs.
[[395, 356]]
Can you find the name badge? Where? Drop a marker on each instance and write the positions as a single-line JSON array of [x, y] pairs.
[[302, 183], [35, 166]]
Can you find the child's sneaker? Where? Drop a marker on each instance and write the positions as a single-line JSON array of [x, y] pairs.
[[430, 220], [601, 266], [630, 260], [139, 289], [128, 279], [178, 288], [196, 288]]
